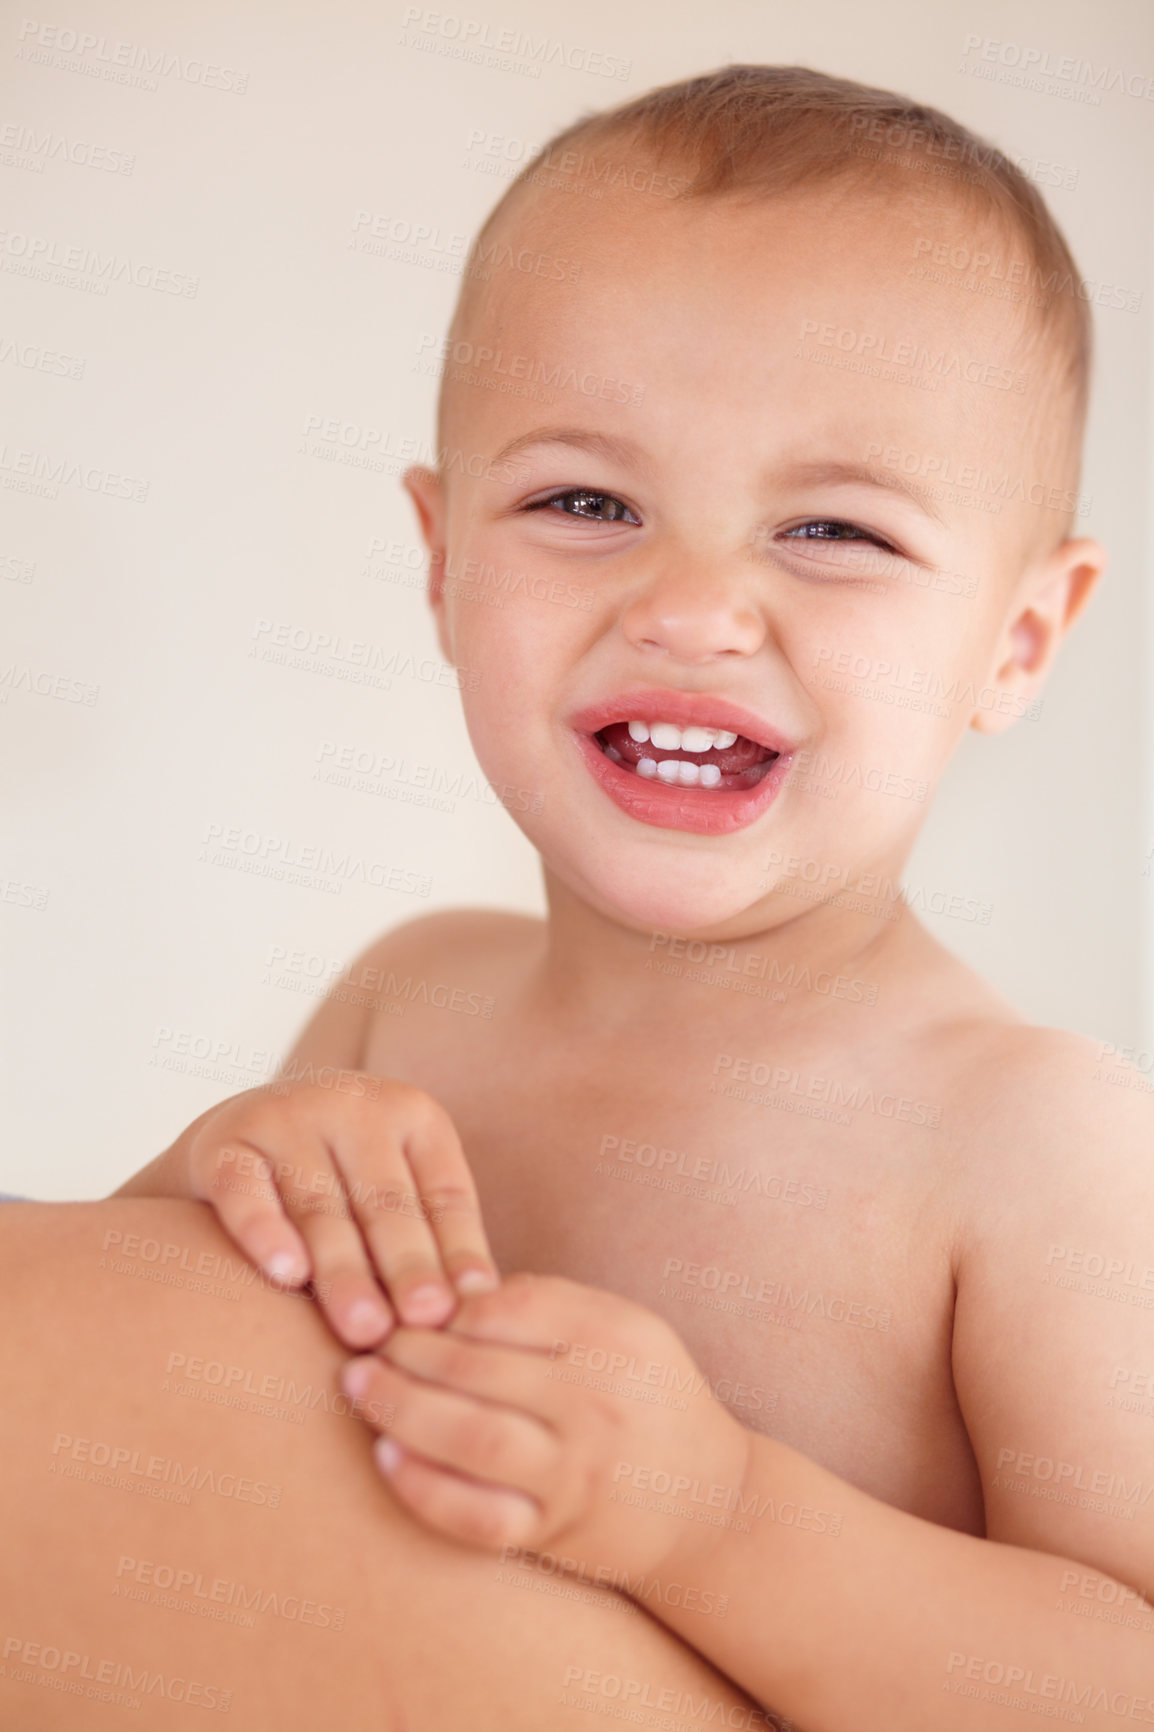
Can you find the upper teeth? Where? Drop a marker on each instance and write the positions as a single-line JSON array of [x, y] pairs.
[[668, 737]]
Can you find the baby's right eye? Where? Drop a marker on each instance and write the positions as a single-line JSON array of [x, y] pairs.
[[582, 502]]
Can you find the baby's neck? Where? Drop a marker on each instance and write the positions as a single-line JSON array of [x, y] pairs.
[[820, 953]]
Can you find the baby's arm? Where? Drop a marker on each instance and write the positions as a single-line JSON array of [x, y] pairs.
[[841, 1610], [902, 1624]]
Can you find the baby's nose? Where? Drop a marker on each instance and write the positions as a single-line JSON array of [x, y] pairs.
[[694, 620]]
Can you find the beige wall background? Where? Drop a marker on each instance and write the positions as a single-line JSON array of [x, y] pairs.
[[189, 314]]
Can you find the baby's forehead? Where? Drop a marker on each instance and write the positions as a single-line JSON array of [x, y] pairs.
[[557, 261], [723, 296]]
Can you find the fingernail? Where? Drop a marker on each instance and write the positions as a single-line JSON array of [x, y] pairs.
[[427, 1301], [355, 1377], [365, 1315], [388, 1454], [478, 1281], [282, 1266]]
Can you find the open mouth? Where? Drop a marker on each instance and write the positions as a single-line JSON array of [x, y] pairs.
[[680, 761], [686, 757]]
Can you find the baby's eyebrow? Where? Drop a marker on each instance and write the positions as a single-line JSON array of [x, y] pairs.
[[840, 472], [612, 446]]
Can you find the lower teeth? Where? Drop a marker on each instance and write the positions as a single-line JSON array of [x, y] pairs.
[[675, 772]]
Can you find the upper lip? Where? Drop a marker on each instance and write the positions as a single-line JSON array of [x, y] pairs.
[[685, 709]]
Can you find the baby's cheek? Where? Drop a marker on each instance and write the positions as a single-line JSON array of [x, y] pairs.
[[512, 672]]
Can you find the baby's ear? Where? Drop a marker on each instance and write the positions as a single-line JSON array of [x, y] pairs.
[[1052, 596], [426, 490]]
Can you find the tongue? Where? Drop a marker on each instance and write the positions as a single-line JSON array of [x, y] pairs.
[[744, 754]]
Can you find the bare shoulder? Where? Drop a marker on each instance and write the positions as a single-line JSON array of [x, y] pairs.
[[1020, 1101], [1045, 1106], [458, 956], [1032, 1119], [464, 935]]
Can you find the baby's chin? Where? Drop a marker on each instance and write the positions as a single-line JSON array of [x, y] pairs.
[[673, 897]]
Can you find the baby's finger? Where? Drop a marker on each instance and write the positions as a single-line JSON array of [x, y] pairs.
[[314, 1200], [550, 1313], [404, 1252], [486, 1516], [239, 1185], [507, 1376], [476, 1438], [445, 1184], [383, 1169]]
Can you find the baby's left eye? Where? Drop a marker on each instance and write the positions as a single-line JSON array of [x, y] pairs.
[[835, 529], [580, 502]]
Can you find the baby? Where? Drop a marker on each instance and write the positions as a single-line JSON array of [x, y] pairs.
[[760, 435]]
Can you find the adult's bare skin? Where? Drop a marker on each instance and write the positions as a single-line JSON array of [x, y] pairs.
[[193, 1424]]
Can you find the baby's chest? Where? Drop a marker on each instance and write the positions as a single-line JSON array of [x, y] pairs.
[[803, 1260], [809, 1278]]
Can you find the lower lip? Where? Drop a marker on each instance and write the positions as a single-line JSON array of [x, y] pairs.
[[705, 811]]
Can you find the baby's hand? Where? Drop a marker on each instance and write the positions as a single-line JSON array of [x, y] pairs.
[[552, 1415], [332, 1185]]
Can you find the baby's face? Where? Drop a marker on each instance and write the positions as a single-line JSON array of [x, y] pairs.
[[730, 519]]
